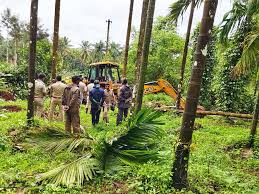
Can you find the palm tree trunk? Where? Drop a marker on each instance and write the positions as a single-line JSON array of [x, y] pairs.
[[55, 40], [126, 54], [140, 48], [144, 64], [141, 38], [185, 52], [32, 60], [255, 118], [15, 52], [180, 166], [7, 51]]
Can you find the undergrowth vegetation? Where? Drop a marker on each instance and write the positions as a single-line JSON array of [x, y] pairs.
[[219, 161]]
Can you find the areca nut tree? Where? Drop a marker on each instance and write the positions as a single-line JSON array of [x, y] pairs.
[[180, 166], [32, 60], [141, 39], [126, 52], [145, 54], [55, 40], [177, 10], [249, 63]]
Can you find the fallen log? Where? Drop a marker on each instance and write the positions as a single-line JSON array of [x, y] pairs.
[[205, 113]]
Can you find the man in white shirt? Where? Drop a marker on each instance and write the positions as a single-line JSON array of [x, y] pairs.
[[90, 86]]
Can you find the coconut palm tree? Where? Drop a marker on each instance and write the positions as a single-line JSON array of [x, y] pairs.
[[180, 166], [177, 10], [32, 59], [127, 149], [248, 64], [144, 61], [98, 52], [124, 72], [63, 48], [55, 40], [85, 49]]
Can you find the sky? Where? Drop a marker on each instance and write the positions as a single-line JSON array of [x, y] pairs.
[[86, 19]]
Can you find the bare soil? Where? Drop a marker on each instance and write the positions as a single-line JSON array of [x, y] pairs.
[[7, 96], [10, 108]]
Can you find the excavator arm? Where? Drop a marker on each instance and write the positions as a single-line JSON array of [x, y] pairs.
[[164, 86]]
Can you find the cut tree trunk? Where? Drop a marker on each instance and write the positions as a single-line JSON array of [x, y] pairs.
[[180, 166], [55, 40], [32, 60], [144, 62], [185, 52], [126, 54]]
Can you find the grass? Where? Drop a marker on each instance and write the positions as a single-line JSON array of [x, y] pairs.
[[218, 161]]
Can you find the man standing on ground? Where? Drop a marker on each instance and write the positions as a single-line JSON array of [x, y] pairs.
[[109, 101], [56, 92], [96, 96], [124, 100], [83, 90], [40, 93], [90, 86], [71, 102]]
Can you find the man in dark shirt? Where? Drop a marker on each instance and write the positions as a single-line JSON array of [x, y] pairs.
[[124, 101], [97, 97]]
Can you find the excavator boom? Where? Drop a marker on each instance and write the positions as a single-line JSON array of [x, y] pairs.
[[164, 86]]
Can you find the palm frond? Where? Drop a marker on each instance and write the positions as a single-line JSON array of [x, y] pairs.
[[177, 9], [139, 144], [61, 140], [67, 144], [77, 172], [241, 11], [250, 56]]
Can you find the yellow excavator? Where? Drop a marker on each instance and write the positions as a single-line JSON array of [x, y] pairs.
[[108, 73]]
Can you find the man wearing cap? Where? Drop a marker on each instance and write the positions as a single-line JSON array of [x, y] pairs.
[[96, 96], [71, 103], [39, 94], [56, 92]]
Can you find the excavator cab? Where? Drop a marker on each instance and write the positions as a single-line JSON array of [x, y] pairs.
[[107, 73]]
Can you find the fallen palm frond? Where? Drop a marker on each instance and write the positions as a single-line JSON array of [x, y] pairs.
[[64, 141], [77, 172], [66, 144], [138, 145]]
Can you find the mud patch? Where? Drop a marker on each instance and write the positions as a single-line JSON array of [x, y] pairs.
[[7, 96], [10, 108]]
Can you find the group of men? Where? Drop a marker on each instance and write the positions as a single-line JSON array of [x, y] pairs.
[[69, 98]]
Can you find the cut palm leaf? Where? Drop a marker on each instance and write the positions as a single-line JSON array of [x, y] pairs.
[[77, 172]]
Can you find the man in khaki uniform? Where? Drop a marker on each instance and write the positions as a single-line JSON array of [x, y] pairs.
[[71, 102], [56, 92], [109, 100], [40, 92], [83, 90]]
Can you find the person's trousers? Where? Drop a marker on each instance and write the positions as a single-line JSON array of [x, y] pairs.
[[106, 113], [95, 112], [123, 112], [72, 120], [56, 102], [38, 106]]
